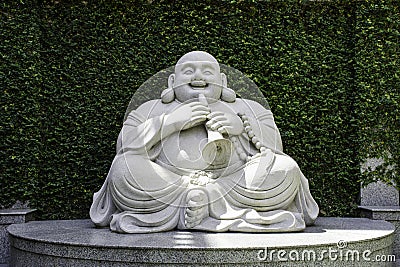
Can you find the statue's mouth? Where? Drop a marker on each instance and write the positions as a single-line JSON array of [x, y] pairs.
[[198, 85]]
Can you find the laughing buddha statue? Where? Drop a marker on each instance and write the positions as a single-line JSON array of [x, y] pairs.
[[201, 158]]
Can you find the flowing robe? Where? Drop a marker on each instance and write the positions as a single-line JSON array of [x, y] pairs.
[[148, 182]]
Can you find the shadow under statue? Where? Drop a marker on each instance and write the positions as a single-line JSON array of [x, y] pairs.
[[201, 158]]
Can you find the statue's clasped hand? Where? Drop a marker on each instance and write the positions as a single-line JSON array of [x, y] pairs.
[[225, 123], [188, 115]]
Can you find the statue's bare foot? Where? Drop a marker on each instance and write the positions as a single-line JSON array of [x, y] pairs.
[[196, 208]]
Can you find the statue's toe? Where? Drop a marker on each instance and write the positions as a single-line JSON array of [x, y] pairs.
[[196, 209]]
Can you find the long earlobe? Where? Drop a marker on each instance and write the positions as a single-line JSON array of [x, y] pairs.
[[167, 96], [228, 95]]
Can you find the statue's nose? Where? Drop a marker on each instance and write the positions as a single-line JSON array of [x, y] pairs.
[[198, 79], [198, 74]]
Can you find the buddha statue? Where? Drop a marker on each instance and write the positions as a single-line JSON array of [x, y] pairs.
[[202, 158]]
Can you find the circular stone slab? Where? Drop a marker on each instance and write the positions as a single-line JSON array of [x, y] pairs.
[[330, 242]]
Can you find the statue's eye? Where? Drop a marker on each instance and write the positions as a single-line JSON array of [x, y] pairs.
[[188, 72], [207, 72]]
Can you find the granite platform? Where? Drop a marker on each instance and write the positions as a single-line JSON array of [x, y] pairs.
[[8, 217], [330, 242]]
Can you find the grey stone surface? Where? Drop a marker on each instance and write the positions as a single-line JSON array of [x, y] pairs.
[[79, 243], [396, 243], [4, 245], [7, 217], [379, 194], [10, 216], [387, 213]]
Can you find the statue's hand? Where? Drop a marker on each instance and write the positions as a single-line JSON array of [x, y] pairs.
[[225, 123], [188, 115]]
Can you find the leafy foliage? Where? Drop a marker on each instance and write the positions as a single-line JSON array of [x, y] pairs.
[[378, 82], [329, 70]]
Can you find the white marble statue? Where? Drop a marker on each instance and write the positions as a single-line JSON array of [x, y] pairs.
[[201, 158]]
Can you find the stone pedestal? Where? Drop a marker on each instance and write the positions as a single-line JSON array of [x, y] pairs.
[[379, 194], [8, 217], [330, 242], [387, 213]]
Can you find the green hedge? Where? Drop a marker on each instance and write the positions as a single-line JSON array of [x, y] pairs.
[[69, 69], [377, 70]]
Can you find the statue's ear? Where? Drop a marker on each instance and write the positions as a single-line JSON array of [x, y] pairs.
[[167, 96], [171, 81], [224, 80], [228, 95]]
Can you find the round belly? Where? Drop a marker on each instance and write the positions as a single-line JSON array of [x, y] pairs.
[[184, 149]]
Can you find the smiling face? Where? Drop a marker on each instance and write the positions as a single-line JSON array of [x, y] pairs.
[[197, 73]]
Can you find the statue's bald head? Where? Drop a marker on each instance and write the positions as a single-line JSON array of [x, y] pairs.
[[196, 56]]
